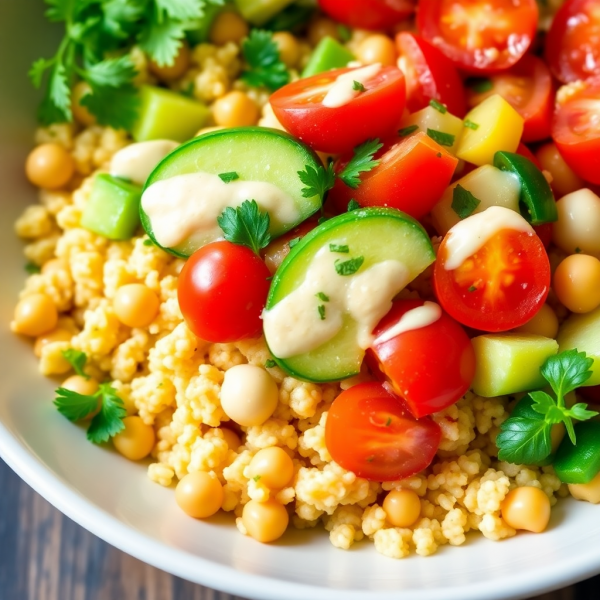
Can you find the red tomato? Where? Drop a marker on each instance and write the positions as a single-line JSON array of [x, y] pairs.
[[500, 287], [429, 368], [222, 291], [479, 35], [544, 232], [523, 150], [528, 88], [430, 75], [576, 130], [374, 113], [412, 175], [573, 42], [368, 14], [590, 394], [370, 432]]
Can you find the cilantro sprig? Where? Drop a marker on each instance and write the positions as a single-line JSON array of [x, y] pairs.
[[265, 67], [246, 226], [525, 438], [361, 162]]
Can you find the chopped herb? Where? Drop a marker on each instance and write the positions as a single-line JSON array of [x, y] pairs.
[[361, 162], [472, 289], [341, 248], [321, 309], [344, 33], [246, 225], [160, 384], [438, 106], [349, 267], [317, 181], [352, 205], [77, 360], [293, 242], [468, 123], [370, 458], [228, 177], [388, 422], [266, 67], [32, 268], [442, 138], [322, 219], [188, 90], [439, 155], [463, 202], [269, 278], [256, 478], [357, 86], [407, 130], [480, 84], [270, 363], [148, 242], [322, 296], [578, 250]]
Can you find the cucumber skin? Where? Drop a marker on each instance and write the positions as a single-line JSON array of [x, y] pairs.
[[311, 156], [348, 217]]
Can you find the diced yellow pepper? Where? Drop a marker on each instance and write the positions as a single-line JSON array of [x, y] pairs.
[[431, 118], [499, 128]]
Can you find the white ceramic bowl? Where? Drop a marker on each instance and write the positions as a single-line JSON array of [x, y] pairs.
[[113, 498]]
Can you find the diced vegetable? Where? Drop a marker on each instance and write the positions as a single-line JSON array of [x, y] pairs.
[[329, 54], [499, 128], [259, 12], [579, 463], [509, 363], [167, 115], [589, 492], [432, 121], [113, 208]]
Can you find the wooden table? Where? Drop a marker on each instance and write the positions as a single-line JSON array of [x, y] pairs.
[[46, 556]]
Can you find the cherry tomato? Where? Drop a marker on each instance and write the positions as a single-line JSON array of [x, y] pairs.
[[403, 179], [479, 35], [523, 150], [429, 368], [500, 287], [573, 42], [576, 129], [374, 113], [544, 232], [430, 75], [368, 14], [278, 249], [528, 88], [222, 291], [370, 432]]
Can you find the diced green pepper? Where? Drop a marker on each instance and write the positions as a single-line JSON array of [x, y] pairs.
[[113, 209], [167, 115], [579, 463], [258, 12], [536, 201], [329, 54]]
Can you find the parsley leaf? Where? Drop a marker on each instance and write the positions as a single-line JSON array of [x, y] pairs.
[[109, 421], [407, 130], [112, 72], [361, 162], [438, 106], [442, 138], [321, 309], [246, 226], [352, 205], [262, 55], [341, 248], [524, 440], [317, 181], [567, 371], [228, 177], [116, 107], [73, 405], [270, 363], [32, 268], [357, 86], [349, 267], [77, 360], [463, 202]]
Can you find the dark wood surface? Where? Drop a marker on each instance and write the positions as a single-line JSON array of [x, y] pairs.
[[46, 556]]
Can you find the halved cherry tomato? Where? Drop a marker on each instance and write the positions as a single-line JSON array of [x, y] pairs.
[[498, 288], [374, 113], [368, 14], [523, 150], [573, 42], [370, 432], [430, 368], [576, 129], [430, 75], [278, 249], [403, 179], [479, 35], [528, 88], [222, 291]]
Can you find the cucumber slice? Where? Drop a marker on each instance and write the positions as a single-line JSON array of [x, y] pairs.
[[377, 234], [254, 154]]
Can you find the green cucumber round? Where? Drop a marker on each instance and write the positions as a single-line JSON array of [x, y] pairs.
[[255, 154], [377, 234]]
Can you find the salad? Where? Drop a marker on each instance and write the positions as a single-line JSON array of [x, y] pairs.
[[329, 264]]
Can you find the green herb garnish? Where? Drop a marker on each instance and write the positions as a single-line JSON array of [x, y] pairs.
[[77, 360], [317, 181], [480, 84], [322, 296], [266, 67], [352, 205], [246, 226], [464, 203], [32, 268], [357, 86], [407, 130], [270, 363], [472, 289], [341, 248], [468, 123], [228, 177], [349, 267], [321, 309], [361, 162], [438, 106], [442, 138]]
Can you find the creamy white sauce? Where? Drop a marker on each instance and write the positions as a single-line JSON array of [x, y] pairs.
[[294, 326], [417, 318], [342, 90], [471, 234], [185, 208], [136, 161]]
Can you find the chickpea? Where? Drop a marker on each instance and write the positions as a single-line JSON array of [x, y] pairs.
[[81, 112], [136, 440], [265, 521], [171, 72], [35, 315], [320, 28], [274, 467], [228, 27], [564, 180], [578, 223], [136, 305], [199, 495], [57, 335], [544, 322], [49, 166], [590, 492], [235, 109], [249, 395], [526, 508], [289, 49], [232, 438], [402, 508], [577, 283], [377, 48], [87, 387]]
